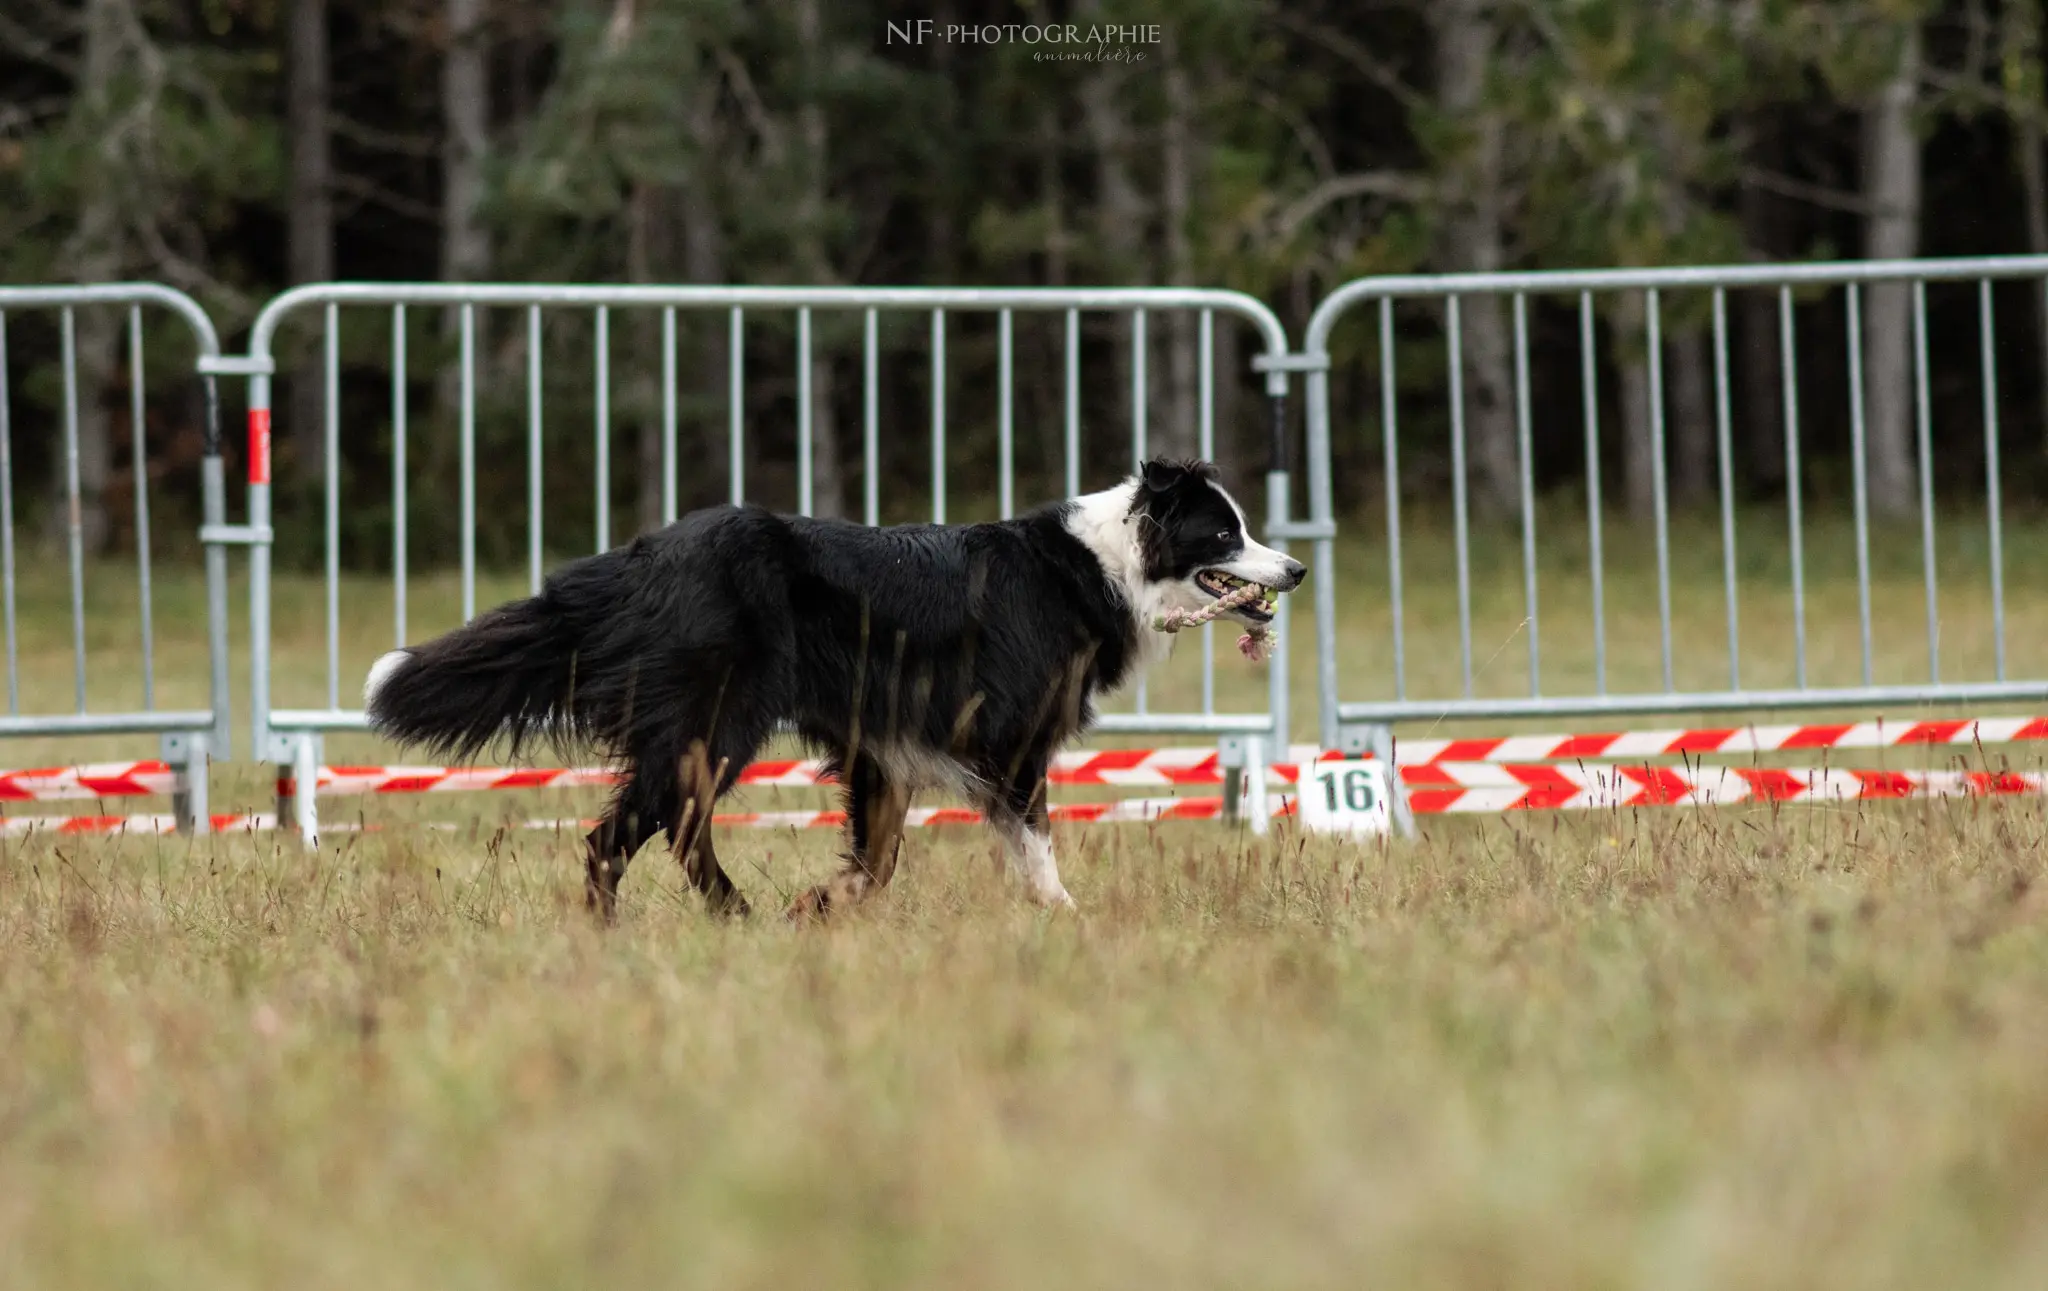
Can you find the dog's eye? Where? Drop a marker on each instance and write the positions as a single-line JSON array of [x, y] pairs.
[[1223, 535]]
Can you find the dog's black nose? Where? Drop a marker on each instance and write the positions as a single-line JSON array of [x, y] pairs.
[[1294, 571]]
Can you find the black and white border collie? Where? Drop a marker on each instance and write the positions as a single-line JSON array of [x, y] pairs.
[[961, 656]]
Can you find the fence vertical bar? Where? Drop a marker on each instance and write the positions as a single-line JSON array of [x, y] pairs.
[[1140, 433], [398, 447], [938, 416], [213, 509], [871, 422], [1205, 439], [1653, 308], [668, 415], [1860, 470], [735, 405], [1923, 418], [803, 412], [1140, 351], [262, 744], [1724, 437], [7, 526], [74, 519], [1073, 423], [1006, 467], [1788, 365], [1525, 455], [1391, 455], [534, 543], [139, 441], [330, 451], [1321, 511], [1589, 395], [1993, 506], [468, 463], [604, 428], [1454, 323]]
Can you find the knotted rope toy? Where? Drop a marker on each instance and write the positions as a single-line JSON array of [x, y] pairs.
[[1257, 637]]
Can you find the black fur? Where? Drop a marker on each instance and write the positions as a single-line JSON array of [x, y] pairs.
[[985, 644]]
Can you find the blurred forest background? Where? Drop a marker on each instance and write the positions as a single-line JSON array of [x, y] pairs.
[[235, 147]]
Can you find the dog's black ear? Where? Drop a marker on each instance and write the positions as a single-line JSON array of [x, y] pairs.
[[1163, 473]]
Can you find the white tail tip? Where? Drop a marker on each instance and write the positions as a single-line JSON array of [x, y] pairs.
[[380, 672]]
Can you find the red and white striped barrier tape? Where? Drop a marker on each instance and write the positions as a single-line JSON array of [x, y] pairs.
[[1496, 787], [1116, 768], [1149, 768], [1131, 768], [1126, 810], [95, 780], [1444, 788], [1963, 733]]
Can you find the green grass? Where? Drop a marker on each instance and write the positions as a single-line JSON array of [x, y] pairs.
[[1796, 1048]]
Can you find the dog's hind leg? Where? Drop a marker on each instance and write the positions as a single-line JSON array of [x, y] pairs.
[[700, 780], [875, 810], [644, 805]]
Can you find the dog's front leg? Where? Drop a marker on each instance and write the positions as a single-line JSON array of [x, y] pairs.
[[1032, 860], [876, 807], [1025, 827]]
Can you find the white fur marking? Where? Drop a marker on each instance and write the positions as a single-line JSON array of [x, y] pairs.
[[380, 672], [1104, 524], [1031, 860]]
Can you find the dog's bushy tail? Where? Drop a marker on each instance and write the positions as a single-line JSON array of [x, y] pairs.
[[507, 674]]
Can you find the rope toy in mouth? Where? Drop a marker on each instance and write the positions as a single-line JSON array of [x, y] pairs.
[[1257, 637]]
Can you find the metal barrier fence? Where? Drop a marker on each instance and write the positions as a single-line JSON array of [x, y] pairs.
[[1361, 724], [292, 736], [189, 737]]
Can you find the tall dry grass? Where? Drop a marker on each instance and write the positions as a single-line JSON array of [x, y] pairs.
[[1670, 1049]]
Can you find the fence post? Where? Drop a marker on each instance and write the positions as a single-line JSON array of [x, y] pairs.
[[298, 785], [189, 757]]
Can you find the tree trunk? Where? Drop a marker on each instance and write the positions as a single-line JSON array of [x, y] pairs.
[[1052, 195], [827, 477], [1638, 426], [1763, 417], [465, 139], [644, 403], [1473, 243], [95, 252], [1175, 431], [1891, 188], [942, 264], [1120, 208], [2022, 43], [466, 116], [1693, 464], [704, 262], [310, 217], [1233, 440]]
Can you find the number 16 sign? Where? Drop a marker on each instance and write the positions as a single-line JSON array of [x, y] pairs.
[[1344, 796]]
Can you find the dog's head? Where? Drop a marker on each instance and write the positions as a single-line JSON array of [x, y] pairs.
[[1193, 546]]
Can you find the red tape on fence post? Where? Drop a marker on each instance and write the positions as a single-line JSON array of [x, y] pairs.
[[259, 446]]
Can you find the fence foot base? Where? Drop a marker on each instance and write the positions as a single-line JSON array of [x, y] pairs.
[[298, 779], [1243, 759], [191, 755]]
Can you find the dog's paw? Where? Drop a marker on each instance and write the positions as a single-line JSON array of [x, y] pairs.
[[827, 899], [1055, 898], [813, 905]]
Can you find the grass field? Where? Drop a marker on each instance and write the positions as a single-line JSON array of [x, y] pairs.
[[1747, 1048]]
